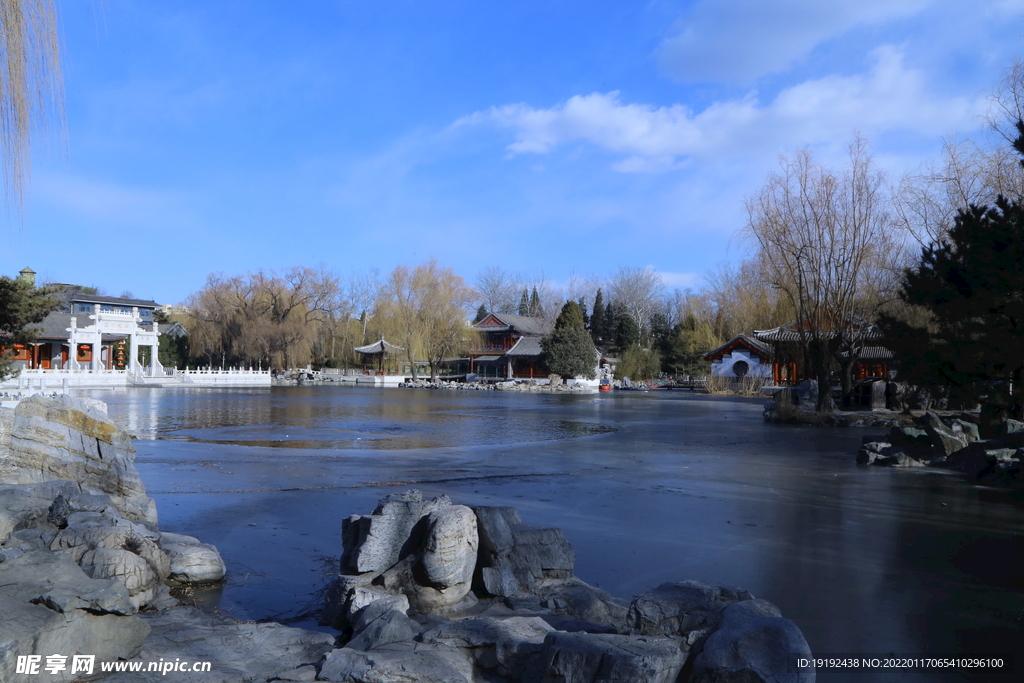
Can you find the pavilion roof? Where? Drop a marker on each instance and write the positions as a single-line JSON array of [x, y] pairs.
[[381, 346]]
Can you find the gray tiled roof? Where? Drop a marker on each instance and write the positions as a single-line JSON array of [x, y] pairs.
[[81, 298], [378, 347], [526, 346], [532, 327], [741, 340]]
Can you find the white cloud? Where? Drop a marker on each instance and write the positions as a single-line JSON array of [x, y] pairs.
[[741, 40], [889, 97]]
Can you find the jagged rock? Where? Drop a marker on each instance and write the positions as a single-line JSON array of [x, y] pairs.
[[450, 547], [752, 644], [907, 436], [543, 553], [500, 581], [303, 674], [190, 560], [71, 439], [945, 440], [874, 450], [687, 608], [125, 552], [1010, 427], [237, 651], [494, 525], [886, 455], [967, 428], [374, 542], [50, 606], [607, 658], [403, 577], [506, 646], [348, 594], [398, 663], [380, 623], [592, 607], [57, 513], [55, 580]]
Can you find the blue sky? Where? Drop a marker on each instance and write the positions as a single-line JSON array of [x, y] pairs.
[[571, 137]]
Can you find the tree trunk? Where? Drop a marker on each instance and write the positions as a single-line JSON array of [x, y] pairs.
[[820, 359]]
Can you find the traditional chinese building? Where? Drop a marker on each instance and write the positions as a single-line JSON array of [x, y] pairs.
[[508, 347], [741, 356], [94, 332], [873, 360]]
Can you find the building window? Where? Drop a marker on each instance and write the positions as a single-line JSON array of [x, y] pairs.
[[740, 368]]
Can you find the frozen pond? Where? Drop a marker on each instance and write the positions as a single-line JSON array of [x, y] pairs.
[[648, 488]]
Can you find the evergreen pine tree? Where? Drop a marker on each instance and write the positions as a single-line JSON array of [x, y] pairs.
[[569, 351], [597, 319], [627, 333], [524, 303], [536, 309], [481, 313], [972, 284], [583, 308]]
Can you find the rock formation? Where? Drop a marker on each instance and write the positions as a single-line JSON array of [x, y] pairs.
[[81, 556], [473, 594], [951, 442]]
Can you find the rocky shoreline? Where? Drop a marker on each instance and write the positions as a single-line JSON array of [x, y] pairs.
[[85, 570], [952, 442], [426, 590], [461, 594], [522, 385]]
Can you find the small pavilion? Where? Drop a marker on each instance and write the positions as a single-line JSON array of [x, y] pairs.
[[377, 354]]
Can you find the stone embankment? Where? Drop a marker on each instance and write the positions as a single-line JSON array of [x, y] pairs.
[[436, 592], [953, 443], [522, 385], [85, 570]]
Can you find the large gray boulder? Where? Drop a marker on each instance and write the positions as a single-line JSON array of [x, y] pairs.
[[398, 663], [349, 593], [519, 557], [690, 609], [190, 560], [380, 623], [49, 606], [375, 542], [506, 646], [72, 439], [450, 547], [752, 644], [945, 439], [608, 658], [596, 608], [237, 651]]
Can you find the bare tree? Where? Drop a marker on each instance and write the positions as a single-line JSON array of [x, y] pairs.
[[639, 290], [824, 240], [362, 292], [498, 290], [970, 173], [262, 317], [735, 300], [424, 311]]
